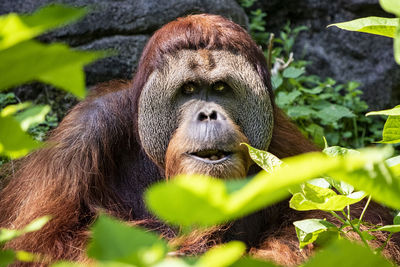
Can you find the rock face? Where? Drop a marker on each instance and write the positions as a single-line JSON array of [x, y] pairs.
[[340, 54], [123, 26]]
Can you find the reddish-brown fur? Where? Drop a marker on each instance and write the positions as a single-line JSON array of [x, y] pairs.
[[94, 162]]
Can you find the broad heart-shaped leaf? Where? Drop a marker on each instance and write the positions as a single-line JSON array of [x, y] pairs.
[[6, 257], [115, 241], [264, 159], [309, 230], [54, 63], [375, 25], [317, 198], [223, 255], [344, 253], [204, 201], [394, 164], [16, 28], [391, 6]]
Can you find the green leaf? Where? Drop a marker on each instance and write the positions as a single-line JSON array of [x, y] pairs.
[[396, 219], [252, 262], [344, 253], [309, 230], [283, 98], [55, 63], [276, 81], [204, 201], [388, 228], [223, 255], [6, 257], [300, 112], [115, 241], [14, 142], [396, 46], [16, 28], [334, 113], [264, 159], [391, 6], [35, 225], [317, 198], [67, 264], [335, 151], [375, 25], [391, 112], [12, 109], [32, 116], [292, 72], [375, 179], [391, 130]]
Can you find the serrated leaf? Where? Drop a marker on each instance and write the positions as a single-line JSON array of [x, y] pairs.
[[284, 99], [374, 25], [16, 28], [276, 81], [221, 256], [300, 112], [54, 63], [334, 113], [292, 72], [264, 159], [115, 241]]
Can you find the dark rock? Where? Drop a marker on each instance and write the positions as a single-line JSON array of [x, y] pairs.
[[123, 26], [340, 54]]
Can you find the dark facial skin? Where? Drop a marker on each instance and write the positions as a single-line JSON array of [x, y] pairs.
[[195, 112]]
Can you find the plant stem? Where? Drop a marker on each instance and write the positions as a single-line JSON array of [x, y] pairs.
[[365, 208], [270, 47], [357, 230], [337, 217], [348, 213]]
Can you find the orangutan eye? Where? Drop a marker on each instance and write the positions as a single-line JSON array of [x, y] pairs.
[[219, 87], [188, 88]]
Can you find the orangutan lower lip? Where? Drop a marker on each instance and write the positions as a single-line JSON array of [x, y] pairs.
[[211, 155]]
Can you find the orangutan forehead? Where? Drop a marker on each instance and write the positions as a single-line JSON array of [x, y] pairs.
[[210, 66]]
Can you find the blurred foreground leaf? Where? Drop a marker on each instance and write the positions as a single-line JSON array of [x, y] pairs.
[[115, 241]]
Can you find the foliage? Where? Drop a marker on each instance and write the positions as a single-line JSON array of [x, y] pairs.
[[320, 107], [56, 64], [389, 27]]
